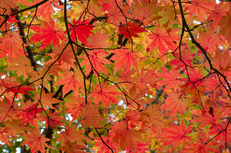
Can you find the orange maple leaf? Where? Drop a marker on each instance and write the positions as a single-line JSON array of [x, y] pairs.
[[4, 131], [46, 9], [135, 95], [105, 94], [97, 40], [145, 11], [97, 58], [208, 40], [162, 39], [75, 106], [7, 5], [216, 15], [35, 140], [72, 135], [176, 135], [71, 81], [47, 100], [171, 79], [175, 102], [108, 141], [66, 57], [15, 127], [125, 136], [90, 116], [115, 15], [125, 58], [200, 8], [11, 45], [71, 147], [153, 115], [21, 66], [225, 26]]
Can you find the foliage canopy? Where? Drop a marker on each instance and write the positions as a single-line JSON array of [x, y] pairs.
[[113, 76]]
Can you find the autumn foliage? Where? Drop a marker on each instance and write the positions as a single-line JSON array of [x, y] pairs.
[[115, 75]]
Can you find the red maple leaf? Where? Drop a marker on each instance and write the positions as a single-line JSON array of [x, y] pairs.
[[130, 29], [176, 135], [11, 45], [90, 116], [71, 81], [163, 39], [125, 136], [80, 30], [12, 85], [216, 15], [105, 94], [96, 59], [200, 8], [125, 58], [47, 33], [171, 79], [175, 102]]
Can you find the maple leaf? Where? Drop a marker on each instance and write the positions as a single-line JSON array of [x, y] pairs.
[[153, 115], [35, 141], [221, 60], [135, 96], [53, 120], [90, 116], [72, 135], [21, 66], [208, 42], [132, 117], [66, 57], [11, 45], [168, 13], [108, 141], [47, 33], [15, 127], [145, 11], [176, 135], [185, 56], [47, 100], [37, 76], [146, 78], [75, 106], [7, 5], [125, 58], [170, 79], [130, 29], [27, 111], [225, 28], [115, 15], [175, 102], [105, 94], [6, 108], [126, 137], [70, 147], [216, 15], [12, 85], [162, 39], [71, 81], [200, 8], [3, 135], [97, 40], [96, 60], [48, 8], [80, 30]]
